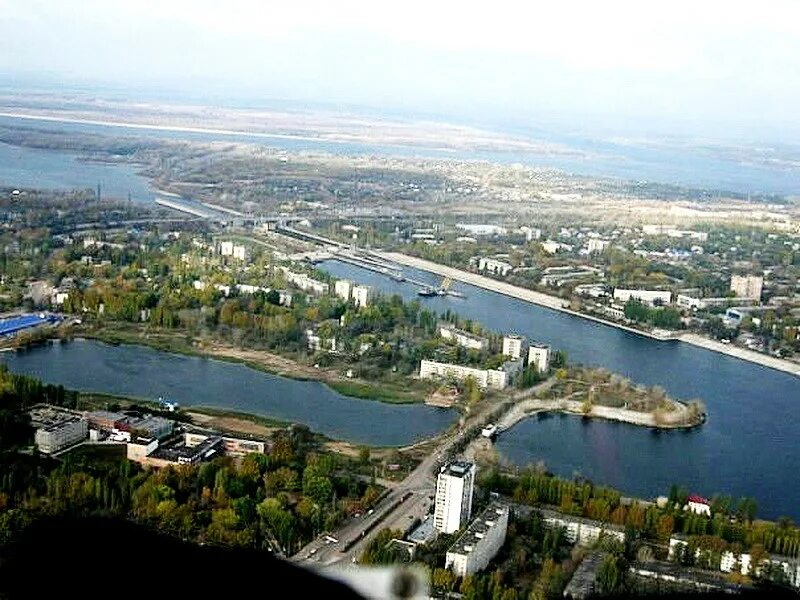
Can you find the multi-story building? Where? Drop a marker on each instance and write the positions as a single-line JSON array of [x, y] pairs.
[[539, 357], [480, 543], [492, 378], [342, 289], [651, 297], [747, 286], [495, 266], [306, 283], [318, 343], [361, 295], [226, 248], [240, 252], [57, 428], [597, 246], [454, 487], [514, 346], [463, 338], [578, 530]]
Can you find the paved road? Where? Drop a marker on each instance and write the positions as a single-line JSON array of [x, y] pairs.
[[409, 499]]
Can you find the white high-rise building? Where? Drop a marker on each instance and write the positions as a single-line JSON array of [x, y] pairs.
[[539, 357], [342, 289], [454, 496], [361, 295], [514, 346]]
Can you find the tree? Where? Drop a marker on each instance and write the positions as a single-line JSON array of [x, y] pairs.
[[611, 575]]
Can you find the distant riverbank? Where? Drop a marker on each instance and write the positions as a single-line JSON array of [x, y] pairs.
[[561, 305]]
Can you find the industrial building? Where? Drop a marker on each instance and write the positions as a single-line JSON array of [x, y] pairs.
[[454, 487], [480, 543], [57, 428]]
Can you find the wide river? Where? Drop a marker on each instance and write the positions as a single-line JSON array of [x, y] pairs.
[[749, 446], [141, 372]]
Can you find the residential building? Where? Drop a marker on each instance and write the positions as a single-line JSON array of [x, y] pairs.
[[651, 297], [539, 357], [342, 289], [583, 582], [480, 543], [531, 233], [492, 378], [240, 252], [57, 428], [463, 338], [226, 248], [698, 505], [551, 246], [454, 487], [306, 283], [361, 295], [580, 531], [494, 266], [514, 346], [747, 286], [597, 246], [482, 229]]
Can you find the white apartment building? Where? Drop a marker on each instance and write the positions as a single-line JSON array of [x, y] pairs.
[[514, 346], [305, 283], [651, 297], [240, 252], [597, 246], [492, 378], [342, 289], [317, 343], [226, 248], [480, 543], [361, 295], [539, 357], [747, 286], [580, 531], [495, 266], [462, 338], [454, 487]]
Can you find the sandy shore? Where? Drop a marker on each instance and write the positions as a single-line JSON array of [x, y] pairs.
[[559, 304]]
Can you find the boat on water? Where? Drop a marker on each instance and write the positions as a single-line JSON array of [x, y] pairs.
[[427, 292]]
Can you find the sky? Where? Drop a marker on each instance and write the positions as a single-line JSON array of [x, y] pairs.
[[699, 65]]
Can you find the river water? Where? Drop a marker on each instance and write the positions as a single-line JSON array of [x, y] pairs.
[[141, 372], [748, 447], [687, 166]]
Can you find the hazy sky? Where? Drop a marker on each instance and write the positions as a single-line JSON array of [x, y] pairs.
[[728, 62]]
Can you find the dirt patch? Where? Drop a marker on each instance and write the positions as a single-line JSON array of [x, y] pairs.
[[232, 424]]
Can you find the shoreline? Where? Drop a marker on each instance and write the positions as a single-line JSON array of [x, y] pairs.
[[528, 408], [561, 305]]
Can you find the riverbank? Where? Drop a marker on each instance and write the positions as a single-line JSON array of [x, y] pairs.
[[561, 305], [265, 361]]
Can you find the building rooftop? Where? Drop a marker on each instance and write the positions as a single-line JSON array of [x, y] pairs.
[[105, 414], [179, 450], [424, 532], [541, 345], [582, 584], [457, 468], [50, 418], [478, 528]]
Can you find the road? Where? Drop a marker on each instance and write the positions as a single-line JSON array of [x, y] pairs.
[[407, 501]]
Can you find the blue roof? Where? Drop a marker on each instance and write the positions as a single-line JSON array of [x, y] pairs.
[[15, 324]]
